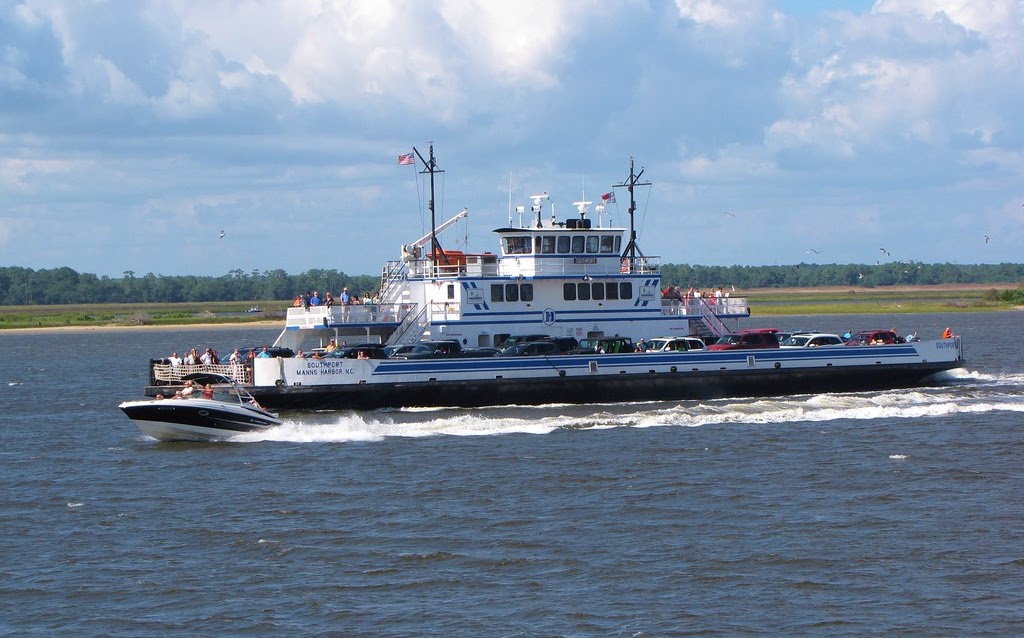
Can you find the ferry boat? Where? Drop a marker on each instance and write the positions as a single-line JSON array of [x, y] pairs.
[[559, 278]]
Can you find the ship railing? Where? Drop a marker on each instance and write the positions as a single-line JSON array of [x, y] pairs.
[[430, 269], [557, 265], [167, 374], [362, 314], [392, 273], [578, 266], [412, 328], [711, 320], [699, 306]]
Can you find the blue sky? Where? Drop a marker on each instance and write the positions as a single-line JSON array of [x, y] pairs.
[[133, 131]]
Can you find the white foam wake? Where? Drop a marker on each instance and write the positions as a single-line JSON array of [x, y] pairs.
[[376, 426]]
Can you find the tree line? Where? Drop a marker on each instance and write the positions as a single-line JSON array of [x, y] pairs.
[[25, 286]]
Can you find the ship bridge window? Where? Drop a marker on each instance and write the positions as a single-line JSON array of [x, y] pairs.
[[608, 244], [546, 245], [564, 242], [597, 291], [592, 243], [577, 244], [511, 292], [517, 245]]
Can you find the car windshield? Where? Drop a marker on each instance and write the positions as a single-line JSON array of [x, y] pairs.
[[729, 340], [796, 341], [656, 344]]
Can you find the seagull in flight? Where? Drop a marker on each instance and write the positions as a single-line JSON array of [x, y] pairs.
[[222, 234], [811, 250], [986, 239], [885, 251], [729, 214]]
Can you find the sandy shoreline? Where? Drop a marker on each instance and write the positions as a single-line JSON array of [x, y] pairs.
[[183, 327]]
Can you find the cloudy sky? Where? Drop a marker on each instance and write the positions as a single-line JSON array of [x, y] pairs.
[[133, 131]]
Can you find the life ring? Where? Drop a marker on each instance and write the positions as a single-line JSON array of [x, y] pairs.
[[625, 266]]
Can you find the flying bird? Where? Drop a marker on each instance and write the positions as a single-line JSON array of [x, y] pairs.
[[811, 250], [729, 214], [986, 239], [222, 234], [885, 251]]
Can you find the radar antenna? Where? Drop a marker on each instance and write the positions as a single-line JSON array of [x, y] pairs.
[[632, 250]]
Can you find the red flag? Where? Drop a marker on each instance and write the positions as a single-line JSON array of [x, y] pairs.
[[406, 159], [608, 198]]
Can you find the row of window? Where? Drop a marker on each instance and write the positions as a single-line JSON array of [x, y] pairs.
[[563, 244], [583, 291]]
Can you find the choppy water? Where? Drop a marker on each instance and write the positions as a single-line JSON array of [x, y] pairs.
[[894, 513]]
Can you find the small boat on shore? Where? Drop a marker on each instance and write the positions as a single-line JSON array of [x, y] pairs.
[[557, 278], [228, 410]]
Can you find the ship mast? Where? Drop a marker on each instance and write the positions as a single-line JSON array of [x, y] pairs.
[[430, 166], [632, 250]]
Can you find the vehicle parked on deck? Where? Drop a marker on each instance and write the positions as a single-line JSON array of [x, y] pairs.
[[874, 338], [747, 339], [604, 345], [675, 344], [530, 348], [395, 350], [812, 340]]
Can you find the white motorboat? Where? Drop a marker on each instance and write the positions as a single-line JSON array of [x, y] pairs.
[[227, 411]]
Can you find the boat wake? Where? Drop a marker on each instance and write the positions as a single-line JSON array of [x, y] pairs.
[[982, 393]]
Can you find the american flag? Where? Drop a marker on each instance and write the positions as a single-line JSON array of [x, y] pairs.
[[406, 159], [608, 198]]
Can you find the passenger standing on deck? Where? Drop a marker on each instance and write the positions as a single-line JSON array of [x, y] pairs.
[[263, 354], [346, 301], [947, 333], [314, 300], [174, 359]]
